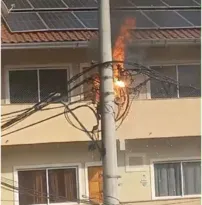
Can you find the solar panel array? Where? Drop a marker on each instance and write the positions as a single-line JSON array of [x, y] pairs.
[[40, 15]]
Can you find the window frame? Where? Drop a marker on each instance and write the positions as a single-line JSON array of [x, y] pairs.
[[81, 67], [177, 77], [47, 167], [171, 160], [8, 68]]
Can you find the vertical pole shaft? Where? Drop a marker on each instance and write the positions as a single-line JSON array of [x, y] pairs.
[[110, 170]]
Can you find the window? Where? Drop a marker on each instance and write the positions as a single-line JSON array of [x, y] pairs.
[[189, 75], [160, 89], [23, 86], [47, 186], [177, 179], [31, 86], [185, 75]]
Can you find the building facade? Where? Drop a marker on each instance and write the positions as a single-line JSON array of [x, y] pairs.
[[45, 160]]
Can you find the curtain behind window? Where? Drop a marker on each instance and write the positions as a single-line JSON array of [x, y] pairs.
[[62, 185], [192, 178], [168, 179], [32, 187]]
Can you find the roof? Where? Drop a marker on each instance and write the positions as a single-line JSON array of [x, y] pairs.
[[85, 35]]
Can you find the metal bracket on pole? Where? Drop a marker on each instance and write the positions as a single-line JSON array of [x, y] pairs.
[[115, 176]]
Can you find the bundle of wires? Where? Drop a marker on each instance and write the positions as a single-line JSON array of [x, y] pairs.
[[122, 106]]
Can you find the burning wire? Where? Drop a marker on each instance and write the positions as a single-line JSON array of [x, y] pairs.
[[123, 88]]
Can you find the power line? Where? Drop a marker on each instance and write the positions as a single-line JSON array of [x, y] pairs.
[[33, 192], [39, 194], [44, 109], [152, 74], [38, 122]]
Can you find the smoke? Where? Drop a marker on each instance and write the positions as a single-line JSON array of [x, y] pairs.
[[118, 19]]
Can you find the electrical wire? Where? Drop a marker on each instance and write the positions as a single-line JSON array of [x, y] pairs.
[[73, 79], [137, 89], [123, 106], [36, 108], [30, 111], [40, 105], [141, 69], [83, 128], [32, 192], [40, 121], [24, 190], [43, 109], [6, 119]]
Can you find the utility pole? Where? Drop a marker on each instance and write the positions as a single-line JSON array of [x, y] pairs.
[[110, 170]]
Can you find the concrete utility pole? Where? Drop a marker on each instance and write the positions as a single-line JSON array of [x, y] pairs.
[[110, 170]]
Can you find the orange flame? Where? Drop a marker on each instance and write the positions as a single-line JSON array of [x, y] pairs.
[[120, 44]]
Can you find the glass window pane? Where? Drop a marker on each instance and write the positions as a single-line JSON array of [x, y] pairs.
[[167, 179], [162, 89], [189, 75], [192, 178], [62, 185], [23, 86], [52, 80], [32, 187]]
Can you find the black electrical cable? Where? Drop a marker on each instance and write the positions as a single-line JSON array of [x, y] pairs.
[[43, 109], [137, 89], [38, 122], [39, 105], [81, 106], [6, 119], [32, 192], [35, 108], [74, 78], [29, 112], [84, 129], [127, 104], [138, 68]]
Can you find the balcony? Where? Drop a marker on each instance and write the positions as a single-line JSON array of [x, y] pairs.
[[156, 118]]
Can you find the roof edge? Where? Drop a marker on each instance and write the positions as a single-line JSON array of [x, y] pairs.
[[44, 45], [165, 42], [85, 44]]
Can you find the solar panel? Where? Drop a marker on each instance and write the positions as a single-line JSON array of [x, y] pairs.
[[18, 4], [61, 20], [118, 17], [47, 4], [81, 3], [88, 18], [167, 19], [121, 3], [18, 22], [193, 16], [180, 2], [148, 3]]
